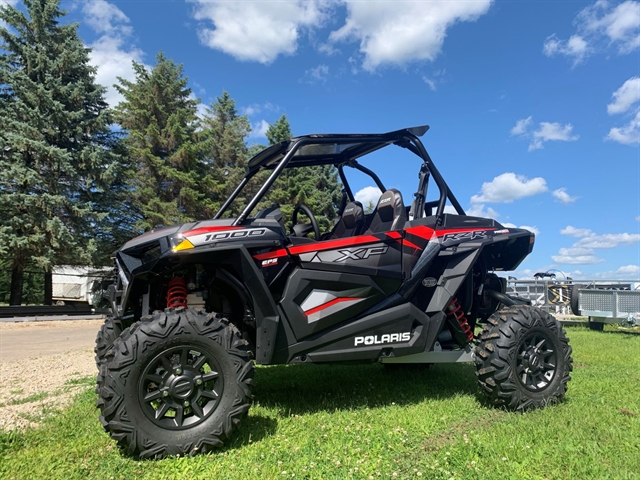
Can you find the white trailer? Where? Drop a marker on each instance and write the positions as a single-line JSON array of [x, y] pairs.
[[73, 284]]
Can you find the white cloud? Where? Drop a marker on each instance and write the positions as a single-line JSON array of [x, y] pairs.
[[317, 74], [625, 96], [113, 61], [388, 33], [534, 230], [624, 99], [479, 210], [629, 134], [256, 108], [575, 232], [552, 131], [638, 218], [430, 83], [104, 17], [621, 24], [508, 187], [202, 110], [576, 256], [399, 32], [575, 47], [608, 240], [563, 197], [521, 126], [368, 194], [626, 272], [599, 27], [327, 49], [546, 132], [257, 31], [259, 129], [583, 251], [112, 53], [576, 260], [629, 269]]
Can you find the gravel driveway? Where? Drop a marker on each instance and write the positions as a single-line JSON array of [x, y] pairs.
[[64, 349]]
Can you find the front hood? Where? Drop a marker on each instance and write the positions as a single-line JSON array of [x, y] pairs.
[[155, 235], [151, 236]]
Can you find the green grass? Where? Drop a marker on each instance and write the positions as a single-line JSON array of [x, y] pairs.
[[362, 421], [31, 398]]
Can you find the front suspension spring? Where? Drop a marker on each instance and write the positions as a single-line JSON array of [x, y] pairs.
[[177, 293]]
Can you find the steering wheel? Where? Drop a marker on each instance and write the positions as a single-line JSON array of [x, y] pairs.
[[304, 229]]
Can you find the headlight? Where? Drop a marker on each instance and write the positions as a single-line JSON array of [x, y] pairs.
[[178, 242]]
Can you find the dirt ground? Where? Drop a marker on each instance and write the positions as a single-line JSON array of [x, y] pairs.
[[40, 363]]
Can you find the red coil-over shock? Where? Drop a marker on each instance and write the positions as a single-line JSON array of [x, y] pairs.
[[454, 311], [177, 293]]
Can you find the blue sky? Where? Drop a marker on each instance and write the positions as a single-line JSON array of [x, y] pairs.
[[534, 107]]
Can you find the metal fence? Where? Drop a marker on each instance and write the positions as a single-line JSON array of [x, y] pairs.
[[555, 295]]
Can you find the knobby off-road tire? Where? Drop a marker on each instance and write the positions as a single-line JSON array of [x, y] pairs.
[[178, 384], [523, 359], [110, 330]]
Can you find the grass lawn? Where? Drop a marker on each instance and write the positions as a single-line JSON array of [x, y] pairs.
[[366, 422]]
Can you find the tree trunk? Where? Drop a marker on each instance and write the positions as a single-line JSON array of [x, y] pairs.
[[17, 279], [48, 288]]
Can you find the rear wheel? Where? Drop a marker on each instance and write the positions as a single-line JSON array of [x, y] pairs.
[[523, 359], [177, 384]]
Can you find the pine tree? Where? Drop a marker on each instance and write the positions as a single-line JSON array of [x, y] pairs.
[[224, 150], [279, 131], [316, 187], [55, 158], [159, 118]]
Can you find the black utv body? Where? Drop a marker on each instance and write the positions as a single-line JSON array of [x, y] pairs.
[[194, 304]]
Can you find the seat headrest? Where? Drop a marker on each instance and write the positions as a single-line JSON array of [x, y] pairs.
[[353, 212], [390, 205]]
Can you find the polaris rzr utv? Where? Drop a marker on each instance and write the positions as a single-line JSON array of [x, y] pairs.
[[195, 304]]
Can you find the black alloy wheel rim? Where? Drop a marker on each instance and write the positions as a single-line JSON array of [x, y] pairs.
[[181, 387], [536, 361]]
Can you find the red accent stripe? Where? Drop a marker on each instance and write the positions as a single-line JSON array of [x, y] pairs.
[[394, 235], [201, 230], [411, 245], [331, 244], [442, 233], [275, 254], [328, 304], [422, 232]]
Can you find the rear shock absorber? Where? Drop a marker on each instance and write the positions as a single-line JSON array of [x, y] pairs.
[[458, 319], [177, 293]]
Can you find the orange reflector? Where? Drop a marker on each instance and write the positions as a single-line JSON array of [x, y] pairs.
[[183, 245]]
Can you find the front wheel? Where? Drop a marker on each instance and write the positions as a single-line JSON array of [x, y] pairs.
[[110, 330], [523, 359], [178, 384]]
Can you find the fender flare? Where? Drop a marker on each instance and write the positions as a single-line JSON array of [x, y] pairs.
[[250, 285]]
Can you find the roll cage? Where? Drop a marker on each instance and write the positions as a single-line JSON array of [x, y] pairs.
[[344, 150]]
